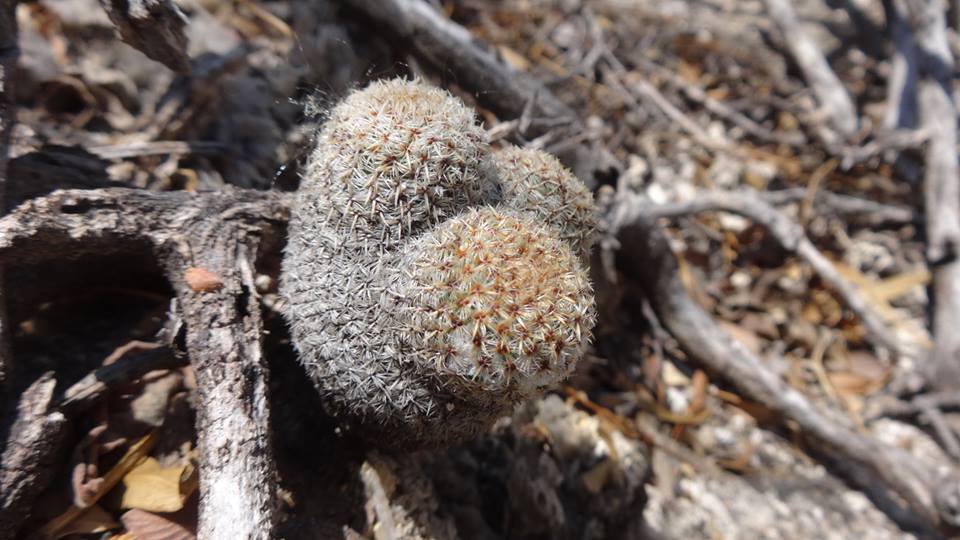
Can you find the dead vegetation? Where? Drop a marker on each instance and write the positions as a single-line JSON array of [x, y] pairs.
[[777, 284]]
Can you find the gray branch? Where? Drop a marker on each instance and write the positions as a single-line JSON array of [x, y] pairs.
[[218, 232]]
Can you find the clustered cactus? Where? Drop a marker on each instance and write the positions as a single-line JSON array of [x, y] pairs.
[[431, 283]]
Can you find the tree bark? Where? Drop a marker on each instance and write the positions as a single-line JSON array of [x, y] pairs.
[[220, 233]]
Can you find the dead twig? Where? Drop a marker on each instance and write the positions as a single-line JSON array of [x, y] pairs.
[[90, 388], [834, 100], [449, 47], [30, 450], [791, 236], [698, 95], [155, 27], [862, 211]]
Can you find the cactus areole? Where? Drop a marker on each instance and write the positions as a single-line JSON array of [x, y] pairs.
[[432, 284]]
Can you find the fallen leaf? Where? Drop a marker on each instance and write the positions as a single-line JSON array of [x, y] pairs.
[[93, 520], [147, 526], [596, 478], [134, 454], [880, 293], [851, 385], [153, 488], [513, 58], [201, 279]]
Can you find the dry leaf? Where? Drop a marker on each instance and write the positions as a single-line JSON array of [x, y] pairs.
[[134, 454], [153, 488], [93, 520], [201, 279], [598, 477], [146, 526], [880, 293], [513, 58], [850, 385]]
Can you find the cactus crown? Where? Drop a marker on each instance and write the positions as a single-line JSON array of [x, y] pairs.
[[397, 156], [500, 301], [537, 182]]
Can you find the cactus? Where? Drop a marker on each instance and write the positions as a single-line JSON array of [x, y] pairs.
[[396, 157], [537, 182], [422, 306]]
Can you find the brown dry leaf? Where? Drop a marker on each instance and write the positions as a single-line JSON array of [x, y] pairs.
[[124, 536], [760, 412], [853, 385], [700, 385], [513, 58], [134, 454], [153, 488], [880, 293], [93, 520], [201, 279], [596, 478], [147, 526]]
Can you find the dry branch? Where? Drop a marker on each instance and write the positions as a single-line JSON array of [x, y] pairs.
[[834, 99], [219, 232], [646, 258], [29, 453], [154, 27], [861, 211], [450, 48], [920, 89], [89, 389], [902, 85], [791, 236]]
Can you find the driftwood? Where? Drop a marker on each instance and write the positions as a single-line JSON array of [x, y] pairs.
[[220, 233]]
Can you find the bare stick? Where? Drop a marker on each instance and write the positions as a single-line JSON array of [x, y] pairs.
[[791, 236], [862, 211], [217, 232], [449, 47], [696, 94], [89, 389], [155, 27], [646, 258], [27, 464], [942, 199], [902, 85], [834, 99]]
